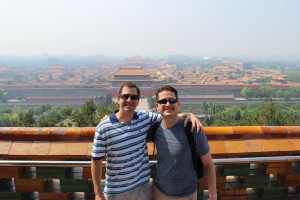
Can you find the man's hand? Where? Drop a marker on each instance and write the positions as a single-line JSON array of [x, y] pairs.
[[99, 196], [104, 118], [195, 122], [213, 196]]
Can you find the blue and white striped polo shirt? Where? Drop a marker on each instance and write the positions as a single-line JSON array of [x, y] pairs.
[[125, 149]]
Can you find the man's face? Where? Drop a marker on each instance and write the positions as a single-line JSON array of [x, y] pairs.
[[126, 101], [167, 104]]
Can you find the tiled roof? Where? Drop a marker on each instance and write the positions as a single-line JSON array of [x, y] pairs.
[[131, 71]]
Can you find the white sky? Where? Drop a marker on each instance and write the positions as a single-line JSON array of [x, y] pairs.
[[150, 27]]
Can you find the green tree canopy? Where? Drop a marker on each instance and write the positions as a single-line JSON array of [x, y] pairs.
[[2, 94], [27, 118], [86, 115], [150, 100], [295, 91], [246, 92], [67, 111]]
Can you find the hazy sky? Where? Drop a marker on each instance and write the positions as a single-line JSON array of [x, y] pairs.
[[150, 27]]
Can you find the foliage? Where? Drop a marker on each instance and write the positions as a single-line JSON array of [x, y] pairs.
[[67, 111], [246, 92], [104, 110], [150, 101], [293, 76], [266, 113], [108, 99], [2, 94], [295, 91], [86, 115], [27, 118], [265, 91], [211, 108], [47, 121]]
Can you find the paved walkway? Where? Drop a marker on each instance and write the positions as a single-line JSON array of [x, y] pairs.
[[143, 105]]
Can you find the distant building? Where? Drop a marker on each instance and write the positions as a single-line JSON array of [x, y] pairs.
[[137, 75], [134, 72], [135, 61]]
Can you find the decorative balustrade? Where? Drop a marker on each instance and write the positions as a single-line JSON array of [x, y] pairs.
[[254, 162]]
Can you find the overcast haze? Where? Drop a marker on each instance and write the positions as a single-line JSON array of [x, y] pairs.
[[150, 27]]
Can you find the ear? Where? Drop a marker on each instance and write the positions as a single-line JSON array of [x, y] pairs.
[[118, 99], [156, 105]]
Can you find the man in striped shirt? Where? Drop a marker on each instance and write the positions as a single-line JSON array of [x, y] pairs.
[[121, 139]]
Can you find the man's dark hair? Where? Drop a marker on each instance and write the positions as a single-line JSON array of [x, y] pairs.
[[130, 85], [166, 88]]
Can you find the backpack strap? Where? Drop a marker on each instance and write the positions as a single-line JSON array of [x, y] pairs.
[[191, 140], [197, 162], [151, 133]]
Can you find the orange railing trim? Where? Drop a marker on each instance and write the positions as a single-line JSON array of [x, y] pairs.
[[247, 130], [218, 130], [90, 131]]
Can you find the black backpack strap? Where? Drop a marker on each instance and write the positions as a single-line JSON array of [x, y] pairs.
[[151, 133], [152, 129], [197, 162], [191, 140]]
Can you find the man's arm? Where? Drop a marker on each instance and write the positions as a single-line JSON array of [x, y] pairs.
[[192, 118], [210, 173], [96, 169]]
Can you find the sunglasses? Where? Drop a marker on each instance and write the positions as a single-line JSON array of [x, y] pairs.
[[164, 101], [126, 96]]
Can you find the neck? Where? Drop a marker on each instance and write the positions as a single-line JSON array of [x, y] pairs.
[[170, 122], [124, 117]]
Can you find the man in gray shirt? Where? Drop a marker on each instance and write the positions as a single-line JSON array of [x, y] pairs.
[[176, 176]]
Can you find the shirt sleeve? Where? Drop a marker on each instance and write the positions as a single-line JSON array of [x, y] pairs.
[[100, 143], [202, 145]]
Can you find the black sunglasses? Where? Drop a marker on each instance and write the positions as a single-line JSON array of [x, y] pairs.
[[126, 96], [164, 101]]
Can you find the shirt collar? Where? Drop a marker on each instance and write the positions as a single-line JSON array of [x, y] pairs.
[[114, 119]]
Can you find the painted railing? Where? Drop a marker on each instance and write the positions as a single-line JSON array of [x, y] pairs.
[[254, 162]]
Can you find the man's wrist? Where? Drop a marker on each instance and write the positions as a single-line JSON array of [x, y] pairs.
[[98, 192]]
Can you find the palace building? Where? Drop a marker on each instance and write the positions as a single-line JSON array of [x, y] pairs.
[[137, 75], [134, 72]]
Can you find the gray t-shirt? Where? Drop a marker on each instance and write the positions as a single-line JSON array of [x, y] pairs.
[[175, 172]]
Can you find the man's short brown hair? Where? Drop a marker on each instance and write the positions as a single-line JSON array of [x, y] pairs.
[[166, 88], [130, 85]]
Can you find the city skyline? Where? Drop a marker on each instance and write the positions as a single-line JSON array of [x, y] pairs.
[[150, 28]]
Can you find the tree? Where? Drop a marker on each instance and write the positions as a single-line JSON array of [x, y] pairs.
[[280, 94], [27, 118], [150, 101], [108, 99], [216, 78], [46, 107], [204, 107], [246, 92], [269, 114], [265, 91], [295, 91], [104, 110], [86, 115], [47, 121], [2, 94], [287, 95], [67, 111]]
